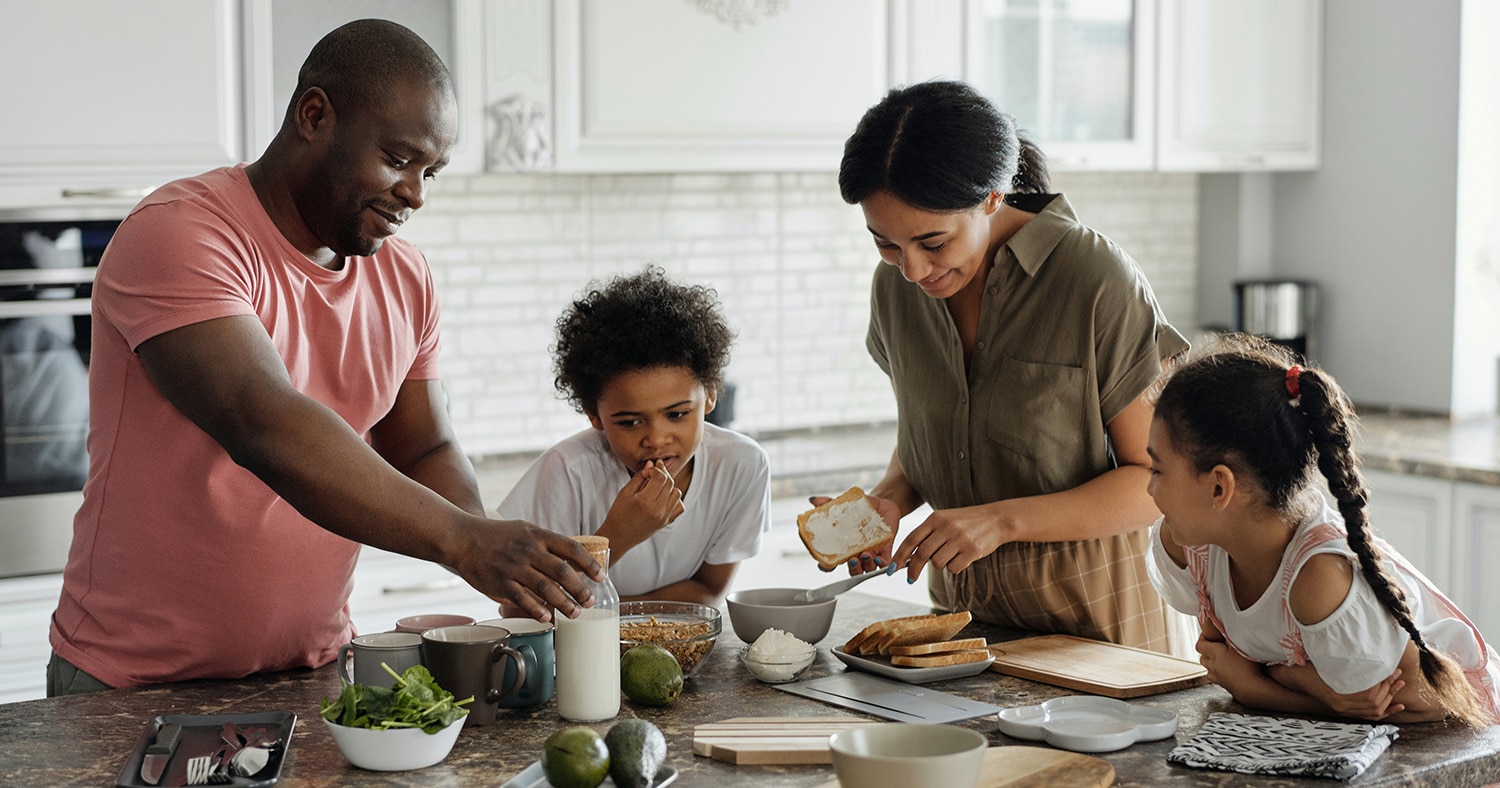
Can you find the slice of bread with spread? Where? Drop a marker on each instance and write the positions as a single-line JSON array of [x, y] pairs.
[[842, 528]]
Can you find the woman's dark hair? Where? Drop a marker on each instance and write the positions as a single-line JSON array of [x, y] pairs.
[[638, 322], [1233, 404], [938, 146]]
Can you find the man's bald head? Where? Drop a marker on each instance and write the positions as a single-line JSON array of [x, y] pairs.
[[356, 65]]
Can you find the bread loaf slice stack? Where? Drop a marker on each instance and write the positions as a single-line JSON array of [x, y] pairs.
[[923, 641]]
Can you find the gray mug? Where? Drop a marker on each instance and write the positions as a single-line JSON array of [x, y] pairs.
[[534, 640], [470, 661], [400, 650]]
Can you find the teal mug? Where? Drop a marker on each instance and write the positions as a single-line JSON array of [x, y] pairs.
[[534, 640]]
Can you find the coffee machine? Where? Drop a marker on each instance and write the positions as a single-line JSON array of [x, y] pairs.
[[1281, 310]]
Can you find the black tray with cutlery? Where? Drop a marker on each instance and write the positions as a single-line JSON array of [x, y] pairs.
[[164, 756]]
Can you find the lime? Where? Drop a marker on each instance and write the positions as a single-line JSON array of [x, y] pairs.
[[575, 757], [636, 752], [650, 675]]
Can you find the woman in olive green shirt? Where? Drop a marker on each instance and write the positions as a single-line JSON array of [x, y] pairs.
[[1019, 344]]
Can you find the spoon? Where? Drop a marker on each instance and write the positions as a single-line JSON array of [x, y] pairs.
[[834, 589]]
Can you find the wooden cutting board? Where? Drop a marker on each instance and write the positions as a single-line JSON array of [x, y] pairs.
[[1014, 767], [1095, 666], [771, 740]]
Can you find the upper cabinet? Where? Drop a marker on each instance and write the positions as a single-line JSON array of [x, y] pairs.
[[1240, 85], [1079, 77], [673, 85], [107, 100]]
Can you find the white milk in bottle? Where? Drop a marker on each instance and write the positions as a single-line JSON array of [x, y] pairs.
[[588, 649]]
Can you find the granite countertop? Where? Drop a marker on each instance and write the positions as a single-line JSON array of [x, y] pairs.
[[1462, 451], [84, 740]]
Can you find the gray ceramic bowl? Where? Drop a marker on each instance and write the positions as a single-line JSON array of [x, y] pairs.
[[899, 753], [756, 610]]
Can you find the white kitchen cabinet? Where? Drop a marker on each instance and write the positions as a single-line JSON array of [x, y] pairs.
[[673, 86], [105, 100], [1476, 584], [1240, 85], [1078, 76], [1415, 515]]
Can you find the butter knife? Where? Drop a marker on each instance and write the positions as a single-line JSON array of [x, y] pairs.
[[154, 764]]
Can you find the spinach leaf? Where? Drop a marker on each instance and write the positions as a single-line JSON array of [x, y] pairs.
[[415, 701]]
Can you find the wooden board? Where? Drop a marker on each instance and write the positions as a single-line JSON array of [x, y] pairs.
[[771, 740], [1015, 767], [1095, 666]]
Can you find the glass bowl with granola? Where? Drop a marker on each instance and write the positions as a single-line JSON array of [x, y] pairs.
[[686, 629]]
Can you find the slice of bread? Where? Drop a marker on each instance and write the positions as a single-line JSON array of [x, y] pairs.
[[842, 528], [941, 647], [939, 660], [852, 647], [908, 633]]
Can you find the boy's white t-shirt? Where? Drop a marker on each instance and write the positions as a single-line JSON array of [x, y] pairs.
[[1356, 646], [569, 490]]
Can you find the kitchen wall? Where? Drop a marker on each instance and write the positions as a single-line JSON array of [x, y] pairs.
[[790, 260]]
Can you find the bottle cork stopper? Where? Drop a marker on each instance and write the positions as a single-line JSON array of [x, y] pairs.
[[598, 547]]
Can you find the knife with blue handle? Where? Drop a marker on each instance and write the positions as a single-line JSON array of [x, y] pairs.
[[154, 764]]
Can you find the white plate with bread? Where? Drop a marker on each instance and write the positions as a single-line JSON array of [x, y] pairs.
[[917, 649]]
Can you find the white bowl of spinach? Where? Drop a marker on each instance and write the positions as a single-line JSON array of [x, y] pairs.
[[411, 725]]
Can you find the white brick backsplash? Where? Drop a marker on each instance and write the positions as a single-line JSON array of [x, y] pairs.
[[790, 260]]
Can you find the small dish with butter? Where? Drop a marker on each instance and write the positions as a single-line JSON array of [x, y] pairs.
[[777, 657]]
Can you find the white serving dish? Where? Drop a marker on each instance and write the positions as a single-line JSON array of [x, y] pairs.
[[1087, 723], [394, 750], [778, 670], [881, 666]]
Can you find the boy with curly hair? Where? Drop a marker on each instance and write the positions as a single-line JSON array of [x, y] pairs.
[[682, 501]]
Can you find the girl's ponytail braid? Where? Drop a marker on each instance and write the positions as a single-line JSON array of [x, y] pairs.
[[1330, 418]]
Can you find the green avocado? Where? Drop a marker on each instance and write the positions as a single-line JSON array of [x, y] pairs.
[[636, 752], [650, 675]]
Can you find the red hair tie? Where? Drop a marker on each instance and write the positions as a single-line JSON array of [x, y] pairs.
[[1293, 387]]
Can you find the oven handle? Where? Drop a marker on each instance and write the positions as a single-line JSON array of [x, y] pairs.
[[44, 306], [30, 277]]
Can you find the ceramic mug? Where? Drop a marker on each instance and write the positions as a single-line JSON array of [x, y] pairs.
[[422, 623], [470, 660], [400, 650], [534, 640]]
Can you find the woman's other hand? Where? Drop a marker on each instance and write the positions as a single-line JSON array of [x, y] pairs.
[[951, 540]]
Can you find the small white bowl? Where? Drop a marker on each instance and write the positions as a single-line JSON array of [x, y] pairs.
[[901, 753], [779, 670], [394, 750]]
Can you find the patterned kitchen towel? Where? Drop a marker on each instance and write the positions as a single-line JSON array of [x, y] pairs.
[[1269, 745]]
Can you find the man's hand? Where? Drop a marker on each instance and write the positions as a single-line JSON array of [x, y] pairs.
[[530, 568]]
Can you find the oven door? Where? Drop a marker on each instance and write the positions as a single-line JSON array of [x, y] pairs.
[[44, 406]]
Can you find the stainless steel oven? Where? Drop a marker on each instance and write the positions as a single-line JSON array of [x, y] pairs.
[[46, 278]]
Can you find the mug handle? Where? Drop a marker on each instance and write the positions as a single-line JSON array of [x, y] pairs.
[[345, 667], [494, 694]]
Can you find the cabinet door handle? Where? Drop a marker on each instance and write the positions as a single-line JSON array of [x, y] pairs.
[[108, 194]]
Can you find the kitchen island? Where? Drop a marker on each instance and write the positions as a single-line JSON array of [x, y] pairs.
[[85, 740]]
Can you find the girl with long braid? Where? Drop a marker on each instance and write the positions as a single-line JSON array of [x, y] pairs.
[[1303, 608]]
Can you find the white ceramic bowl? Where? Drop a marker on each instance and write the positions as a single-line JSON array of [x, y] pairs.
[[394, 750], [755, 610], [778, 670], [900, 753]]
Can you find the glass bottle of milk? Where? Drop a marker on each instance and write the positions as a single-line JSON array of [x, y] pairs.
[[588, 648]]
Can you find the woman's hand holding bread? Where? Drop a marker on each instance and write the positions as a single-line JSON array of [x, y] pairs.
[[854, 528]]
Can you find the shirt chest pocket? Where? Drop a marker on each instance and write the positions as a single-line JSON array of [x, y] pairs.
[[1036, 409]]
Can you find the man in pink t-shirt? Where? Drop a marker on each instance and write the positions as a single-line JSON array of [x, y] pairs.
[[264, 397]]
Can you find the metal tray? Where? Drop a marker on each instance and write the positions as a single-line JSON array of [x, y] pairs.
[[881, 666], [201, 736], [533, 777]]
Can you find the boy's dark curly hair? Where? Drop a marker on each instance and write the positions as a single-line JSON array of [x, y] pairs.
[[637, 322]]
